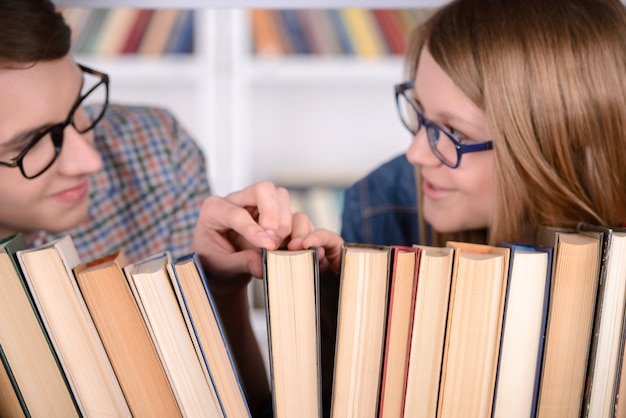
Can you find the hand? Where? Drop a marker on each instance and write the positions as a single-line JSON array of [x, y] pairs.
[[329, 245], [232, 229]]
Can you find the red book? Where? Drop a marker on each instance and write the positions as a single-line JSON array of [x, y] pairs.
[[392, 28], [133, 41]]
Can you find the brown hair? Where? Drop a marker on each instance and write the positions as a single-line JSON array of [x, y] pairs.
[[550, 77], [31, 31]]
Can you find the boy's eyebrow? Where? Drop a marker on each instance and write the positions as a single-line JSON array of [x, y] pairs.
[[23, 136]]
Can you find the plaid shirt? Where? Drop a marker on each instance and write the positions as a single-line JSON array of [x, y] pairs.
[[147, 197]]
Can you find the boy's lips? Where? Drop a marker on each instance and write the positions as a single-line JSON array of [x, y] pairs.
[[75, 193]]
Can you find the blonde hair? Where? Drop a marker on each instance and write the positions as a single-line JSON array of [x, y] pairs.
[[551, 77]]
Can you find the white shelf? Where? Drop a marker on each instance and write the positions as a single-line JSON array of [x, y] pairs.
[[315, 70], [250, 4]]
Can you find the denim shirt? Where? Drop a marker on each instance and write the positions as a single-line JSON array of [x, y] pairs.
[[381, 208]]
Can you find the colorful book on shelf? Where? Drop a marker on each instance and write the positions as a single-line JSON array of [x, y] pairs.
[[87, 39], [605, 353], [203, 321], [363, 31], [523, 331], [343, 35], [267, 38], [574, 284], [428, 330], [26, 343], [151, 285], [158, 31], [291, 284], [181, 41], [138, 29], [48, 273], [125, 337], [361, 319], [319, 31], [115, 31], [12, 402], [289, 19], [391, 26], [473, 329], [400, 314]]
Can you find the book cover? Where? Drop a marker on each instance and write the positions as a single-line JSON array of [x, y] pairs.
[[125, 336], [151, 285], [291, 284], [523, 330], [606, 341], [12, 402], [204, 323], [428, 330], [361, 319], [575, 276], [402, 294], [26, 342], [473, 329], [48, 273]]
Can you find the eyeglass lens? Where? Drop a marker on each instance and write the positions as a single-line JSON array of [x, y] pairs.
[[439, 141], [43, 153]]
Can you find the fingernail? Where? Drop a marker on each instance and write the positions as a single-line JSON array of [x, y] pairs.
[[266, 238]]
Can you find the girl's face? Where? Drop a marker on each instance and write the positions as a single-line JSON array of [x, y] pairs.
[[34, 98], [453, 199]]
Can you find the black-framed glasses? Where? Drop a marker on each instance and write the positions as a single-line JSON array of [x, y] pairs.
[[45, 146], [446, 147]]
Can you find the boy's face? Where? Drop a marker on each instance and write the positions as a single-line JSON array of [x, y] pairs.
[[32, 99]]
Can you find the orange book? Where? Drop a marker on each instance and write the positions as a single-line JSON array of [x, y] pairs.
[[266, 34], [402, 292]]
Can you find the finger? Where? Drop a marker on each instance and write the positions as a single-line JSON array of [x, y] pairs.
[[330, 242], [301, 227], [285, 219], [220, 214], [228, 265], [263, 196]]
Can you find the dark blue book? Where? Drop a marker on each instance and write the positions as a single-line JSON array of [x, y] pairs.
[[203, 322], [342, 31], [523, 330], [295, 32], [181, 41]]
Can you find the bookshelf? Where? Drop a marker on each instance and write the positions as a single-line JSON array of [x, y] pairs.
[[298, 120]]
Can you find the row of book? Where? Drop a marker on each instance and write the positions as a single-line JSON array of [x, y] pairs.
[[125, 30], [106, 338], [364, 33], [463, 330]]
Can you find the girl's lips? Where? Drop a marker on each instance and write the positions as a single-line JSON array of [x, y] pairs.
[[432, 191], [73, 194]]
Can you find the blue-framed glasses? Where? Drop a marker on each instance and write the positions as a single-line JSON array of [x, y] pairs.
[[446, 147], [44, 148]]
